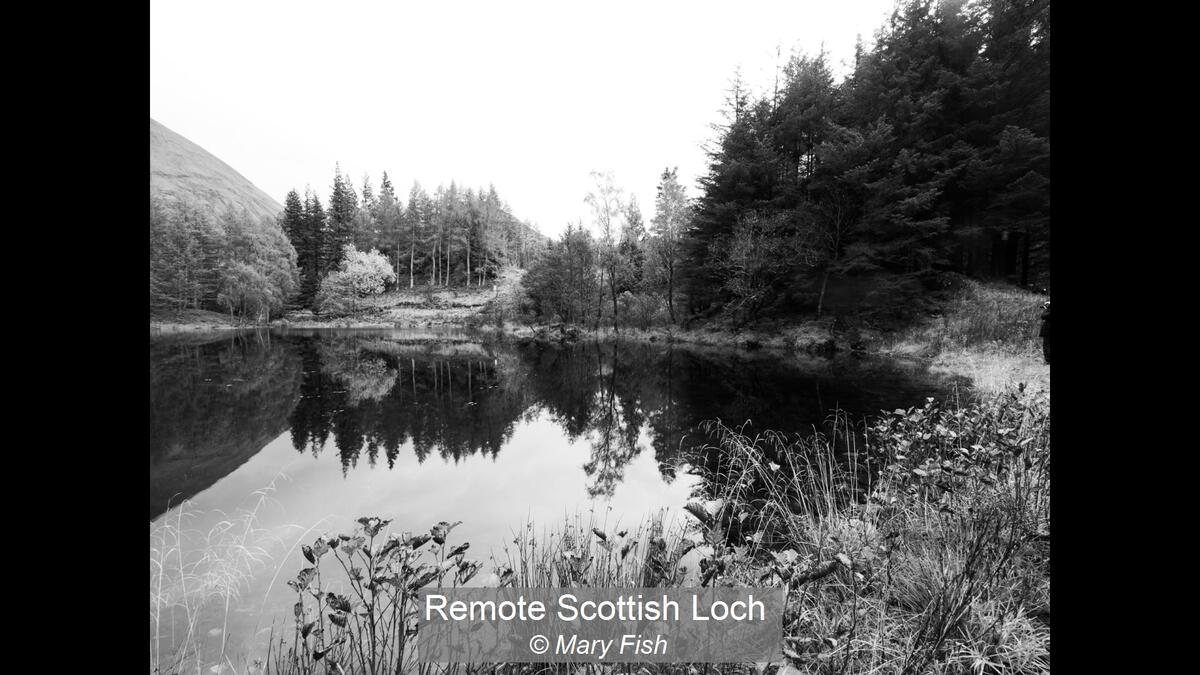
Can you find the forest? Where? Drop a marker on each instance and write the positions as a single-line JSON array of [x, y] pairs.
[[228, 263], [453, 237], [930, 160]]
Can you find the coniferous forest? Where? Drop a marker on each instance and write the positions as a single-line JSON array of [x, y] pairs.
[[455, 236]]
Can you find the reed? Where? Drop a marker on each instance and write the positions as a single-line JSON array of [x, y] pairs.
[[192, 570]]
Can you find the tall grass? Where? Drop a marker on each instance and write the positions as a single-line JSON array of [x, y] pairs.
[[980, 315], [986, 332], [193, 570]]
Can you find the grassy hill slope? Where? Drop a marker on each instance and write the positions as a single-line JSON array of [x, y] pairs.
[[181, 169]]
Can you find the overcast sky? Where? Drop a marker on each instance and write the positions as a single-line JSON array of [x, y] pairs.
[[530, 96]]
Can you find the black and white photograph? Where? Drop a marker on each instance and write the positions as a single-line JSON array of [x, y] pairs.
[[502, 300]]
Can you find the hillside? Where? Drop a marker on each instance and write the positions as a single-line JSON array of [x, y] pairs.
[[180, 168]]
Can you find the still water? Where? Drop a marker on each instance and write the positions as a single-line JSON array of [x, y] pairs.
[[307, 431]]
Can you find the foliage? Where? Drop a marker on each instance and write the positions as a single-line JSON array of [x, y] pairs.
[[916, 543], [758, 254], [366, 627], [565, 280], [336, 297], [570, 279], [229, 263], [359, 274], [933, 155], [184, 254], [672, 216], [644, 310], [368, 273], [980, 317], [453, 236], [510, 300]]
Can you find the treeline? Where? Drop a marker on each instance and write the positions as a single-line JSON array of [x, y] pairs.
[[452, 237], [932, 156], [228, 262]]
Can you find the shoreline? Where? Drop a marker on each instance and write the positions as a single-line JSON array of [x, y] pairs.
[[989, 368]]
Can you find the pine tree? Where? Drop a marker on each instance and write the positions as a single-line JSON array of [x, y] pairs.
[[343, 210], [631, 251], [417, 214], [367, 235], [293, 222], [313, 257], [388, 218], [742, 176]]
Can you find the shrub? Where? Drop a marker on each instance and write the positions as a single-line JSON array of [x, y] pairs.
[[360, 274], [643, 310], [336, 296], [368, 273]]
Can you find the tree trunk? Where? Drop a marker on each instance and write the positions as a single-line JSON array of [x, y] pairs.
[[599, 302], [671, 292], [1025, 259], [612, 285], [821, 297]]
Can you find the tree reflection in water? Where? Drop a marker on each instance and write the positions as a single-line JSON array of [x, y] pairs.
[[224, 400]]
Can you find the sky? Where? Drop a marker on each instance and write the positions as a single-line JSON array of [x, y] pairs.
[[529, 96]]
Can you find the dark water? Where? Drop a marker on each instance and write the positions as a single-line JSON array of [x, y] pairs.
[[340, 425]]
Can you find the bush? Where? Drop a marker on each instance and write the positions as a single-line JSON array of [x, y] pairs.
[[643, 310], [511, 300], [336, 296], [368, 273], [360, 274]]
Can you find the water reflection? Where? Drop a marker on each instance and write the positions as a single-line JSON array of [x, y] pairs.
[[366, 397], [372, 396], [213, 406]]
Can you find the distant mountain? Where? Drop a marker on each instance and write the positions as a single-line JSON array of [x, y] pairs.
[[181, 169]]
